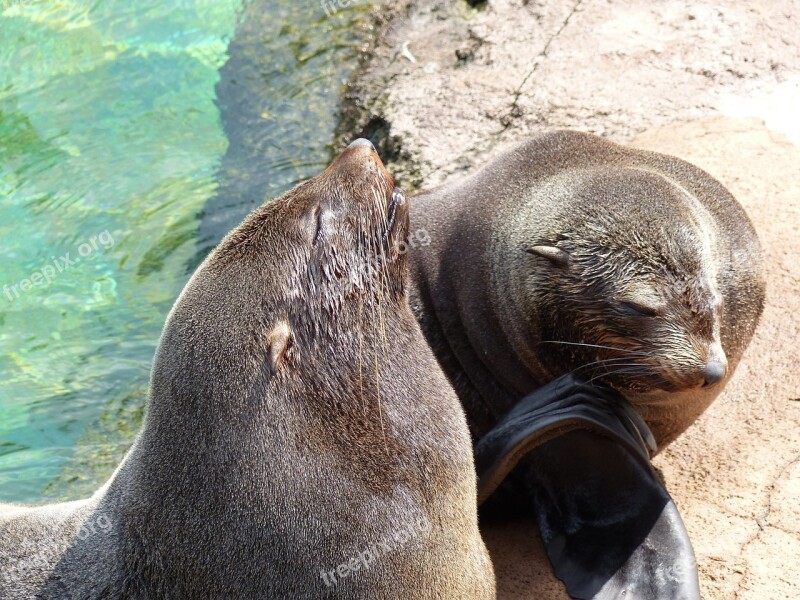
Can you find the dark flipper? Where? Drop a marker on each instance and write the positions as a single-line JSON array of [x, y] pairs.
[[609, 526], [551, 411]]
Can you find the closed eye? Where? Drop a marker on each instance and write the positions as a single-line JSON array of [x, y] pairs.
[[638, 310]]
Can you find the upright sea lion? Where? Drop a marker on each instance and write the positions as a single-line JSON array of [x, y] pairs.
[[572, 254], [300, 441]]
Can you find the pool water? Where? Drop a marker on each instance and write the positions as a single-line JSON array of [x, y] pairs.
[[132, 137]]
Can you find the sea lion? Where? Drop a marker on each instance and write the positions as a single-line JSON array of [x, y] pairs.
[[300, 440], [572, 254]]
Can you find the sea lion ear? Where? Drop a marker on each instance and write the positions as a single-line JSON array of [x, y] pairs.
[[555, 255], [280, 343]]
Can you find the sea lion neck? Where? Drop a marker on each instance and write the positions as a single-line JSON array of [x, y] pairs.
[[461, 320]]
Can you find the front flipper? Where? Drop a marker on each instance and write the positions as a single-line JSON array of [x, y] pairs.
[[562, 405], [609, 527]]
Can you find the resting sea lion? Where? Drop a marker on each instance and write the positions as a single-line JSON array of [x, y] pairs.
[[572, 254], [300, 441]]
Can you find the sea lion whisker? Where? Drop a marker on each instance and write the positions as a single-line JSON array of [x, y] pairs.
[[596, 377], [380, 408], [380, 202], [620, 369], [627, 372], [361, 357], [608, 361], [599, 363], [597, 346]]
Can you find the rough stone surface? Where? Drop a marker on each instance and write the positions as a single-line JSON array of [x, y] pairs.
[[716, 85], [483, 78]]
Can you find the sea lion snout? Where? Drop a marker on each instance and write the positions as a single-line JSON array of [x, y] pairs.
[[359, 173], [360, 161], [360, 192]]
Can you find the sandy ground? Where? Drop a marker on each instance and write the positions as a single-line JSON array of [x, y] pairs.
[[719, 87]]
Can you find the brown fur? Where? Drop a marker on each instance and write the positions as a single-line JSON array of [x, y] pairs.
[[556, 247], [297, 419]]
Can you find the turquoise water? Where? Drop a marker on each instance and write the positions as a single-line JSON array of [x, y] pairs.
[[132, 135]]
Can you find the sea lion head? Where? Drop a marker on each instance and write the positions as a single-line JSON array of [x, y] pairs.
[[293, 297], [337, 269], [630, 285]]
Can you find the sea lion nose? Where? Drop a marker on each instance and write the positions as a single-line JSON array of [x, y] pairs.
[[714, 372], [358, 161], [361, 142]]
